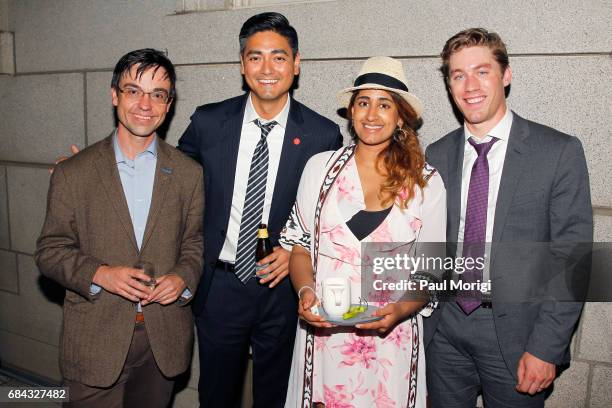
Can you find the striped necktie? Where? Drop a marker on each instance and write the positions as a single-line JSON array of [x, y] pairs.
[[475, 231], [253, 206]]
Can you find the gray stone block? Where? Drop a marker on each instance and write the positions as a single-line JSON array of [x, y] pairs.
[[9, 303], [40, 314], [9, 278], [4, 223], [602, 231], [40, 115], [7, 53], [30, 355], [4, 16], [200, 85], [601, 397], [100, 117], [348, 29], [187, 398], [540, 93], [71, 35], [27, 191], [183, 6], [40, 302], [570, 389], [195, 367], [596, 333]]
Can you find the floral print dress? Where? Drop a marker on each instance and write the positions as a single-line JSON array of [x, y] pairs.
[[350, 367]]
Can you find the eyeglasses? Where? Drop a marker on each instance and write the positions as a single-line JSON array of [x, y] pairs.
[[160, 96]]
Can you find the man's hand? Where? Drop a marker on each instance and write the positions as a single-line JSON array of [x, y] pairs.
[[278, 268], [534, 375], [73, 148], [307, 300], [168, 289], [392, 314], [122, 281]]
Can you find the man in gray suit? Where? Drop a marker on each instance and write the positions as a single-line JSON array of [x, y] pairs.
[[507, 180], [129, 199]]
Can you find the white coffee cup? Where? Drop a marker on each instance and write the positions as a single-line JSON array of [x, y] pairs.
[[336, 296]]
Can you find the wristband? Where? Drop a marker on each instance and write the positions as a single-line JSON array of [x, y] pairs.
[[305, 287]]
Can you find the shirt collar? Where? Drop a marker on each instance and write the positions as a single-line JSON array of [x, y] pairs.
[[250, 114], [499, 131], [120, 158]]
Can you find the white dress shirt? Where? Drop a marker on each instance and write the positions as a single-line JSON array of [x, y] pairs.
[[496, 158], [249, 137]]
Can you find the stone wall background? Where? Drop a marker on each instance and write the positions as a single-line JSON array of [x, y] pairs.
[[56, 58]]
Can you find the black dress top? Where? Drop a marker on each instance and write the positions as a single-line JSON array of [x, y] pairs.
[[365, 222]]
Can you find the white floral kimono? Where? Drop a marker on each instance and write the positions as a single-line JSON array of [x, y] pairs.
[[345, 367]]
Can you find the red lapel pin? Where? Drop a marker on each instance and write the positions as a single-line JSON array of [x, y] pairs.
[[297, 141]]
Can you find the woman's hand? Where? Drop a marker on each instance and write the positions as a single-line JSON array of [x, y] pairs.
[[393, 313], [308, 299]]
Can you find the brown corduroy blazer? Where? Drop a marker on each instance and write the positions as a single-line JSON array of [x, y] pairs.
[[87, 225]]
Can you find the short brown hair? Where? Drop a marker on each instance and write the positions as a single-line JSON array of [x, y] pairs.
[[470, 38]]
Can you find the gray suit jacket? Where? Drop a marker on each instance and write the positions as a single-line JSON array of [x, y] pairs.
[[88, 224], [543, 196]]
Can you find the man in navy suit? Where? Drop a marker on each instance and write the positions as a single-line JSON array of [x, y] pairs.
[[517, 184], [234, 139]]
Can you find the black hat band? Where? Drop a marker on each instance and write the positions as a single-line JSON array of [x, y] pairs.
[[380, 79]]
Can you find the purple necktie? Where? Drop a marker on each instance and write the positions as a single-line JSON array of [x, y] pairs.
[[475, 231]]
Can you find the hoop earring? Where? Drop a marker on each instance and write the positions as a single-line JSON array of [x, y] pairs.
[[400, 135]]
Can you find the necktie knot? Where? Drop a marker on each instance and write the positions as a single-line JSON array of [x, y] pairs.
[[482, 149], [266, 128]]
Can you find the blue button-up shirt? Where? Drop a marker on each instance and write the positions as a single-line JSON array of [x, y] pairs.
[[137, 178]]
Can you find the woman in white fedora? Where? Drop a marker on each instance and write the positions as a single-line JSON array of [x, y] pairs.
[[378, 189]]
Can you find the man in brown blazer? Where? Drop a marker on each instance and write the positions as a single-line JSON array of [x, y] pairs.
[[127, 199]]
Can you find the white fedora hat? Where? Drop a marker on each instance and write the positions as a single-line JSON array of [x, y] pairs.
[[383, 73]]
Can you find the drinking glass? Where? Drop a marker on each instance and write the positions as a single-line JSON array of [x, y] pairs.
[[148, 269]]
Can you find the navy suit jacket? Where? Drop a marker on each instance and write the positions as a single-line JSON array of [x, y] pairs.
[[543, 196], [213, 138]]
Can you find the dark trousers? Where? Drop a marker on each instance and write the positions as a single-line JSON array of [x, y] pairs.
[[464, 358], [238, 316], [141, 383]]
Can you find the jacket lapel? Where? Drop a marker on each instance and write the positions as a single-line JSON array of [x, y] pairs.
[[455, 170], [163, 174], [514, 163], [106, 164], [231, 129], [287, 169]]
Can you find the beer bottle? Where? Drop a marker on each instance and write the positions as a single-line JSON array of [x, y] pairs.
[[263, 249]]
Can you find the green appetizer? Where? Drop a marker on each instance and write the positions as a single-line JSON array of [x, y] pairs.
[[354, 311]]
